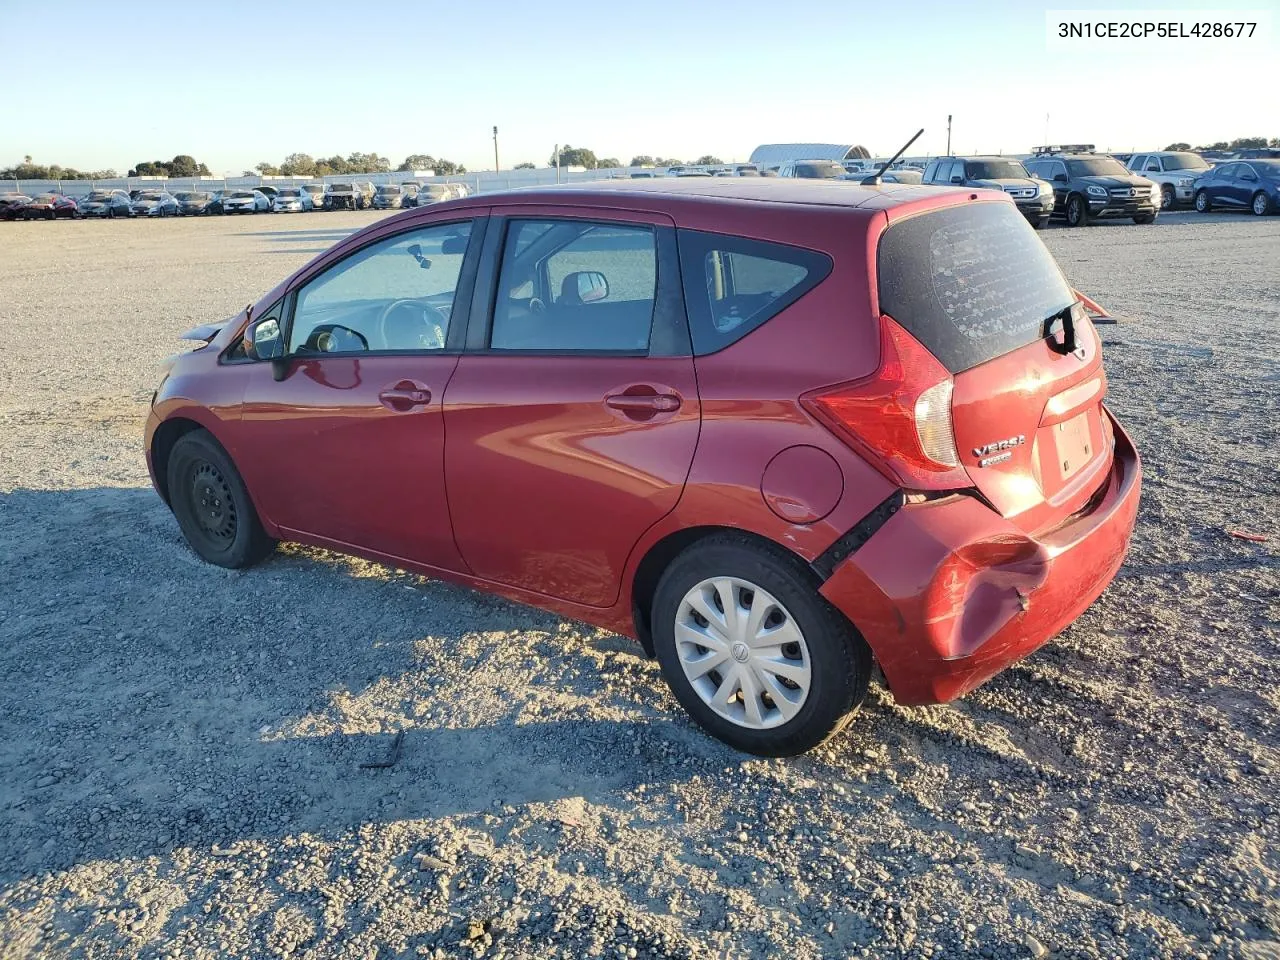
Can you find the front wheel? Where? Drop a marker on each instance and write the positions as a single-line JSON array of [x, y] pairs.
[[1077, 212], [751, 650], [1261, 205], [212, 505], [1166, 197], [1203, 203]]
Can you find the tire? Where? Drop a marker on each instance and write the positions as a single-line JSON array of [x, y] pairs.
[[1145, 218], [1167, 198], [1203, 203], [1077, 211], [212, 505], [1261, 204], [837, 660], [1042, 223]]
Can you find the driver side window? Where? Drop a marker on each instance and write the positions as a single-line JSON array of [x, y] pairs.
[[392, 296]]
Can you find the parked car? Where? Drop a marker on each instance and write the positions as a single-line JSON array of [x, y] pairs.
[[812, 170], [106, 203], [292, 200], [269, 192], [215, 202], [316, 192], [409, 193], [1175, 172], [1240, 185], [1033, 198], [245, 201], [11, 205], [1257, 153], [458, 190], [1089, 186], [343, 196], [935, 492], [155, 203], [193, 202], [50, 206], [388, 196], [430, 193], [898, 175]]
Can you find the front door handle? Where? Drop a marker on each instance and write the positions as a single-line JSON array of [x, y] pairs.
[[405, 395]]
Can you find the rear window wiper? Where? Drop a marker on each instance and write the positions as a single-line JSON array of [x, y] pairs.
[[1061, 322]]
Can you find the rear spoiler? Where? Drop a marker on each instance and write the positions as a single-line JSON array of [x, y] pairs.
[[1096, 313]]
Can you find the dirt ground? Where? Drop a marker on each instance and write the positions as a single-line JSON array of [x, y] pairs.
[[181, 746]]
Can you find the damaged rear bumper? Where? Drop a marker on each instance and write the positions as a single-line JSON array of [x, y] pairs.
[[948, 593]]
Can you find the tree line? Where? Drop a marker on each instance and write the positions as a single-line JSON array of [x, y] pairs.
[[304, 165], [1240, 143]]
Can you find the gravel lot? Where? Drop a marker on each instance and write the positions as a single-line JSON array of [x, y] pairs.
[[180, 745]]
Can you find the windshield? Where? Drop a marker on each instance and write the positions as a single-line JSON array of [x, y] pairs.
[[971, 282], [149, 196], [1184, 161], [994, 170], [191, 197], [288, 192], [99, 197], [819, 170], [388, 189], [313, 188], [242, 195], [45, 198], [435, 189], [1097, 167], [339, 187]]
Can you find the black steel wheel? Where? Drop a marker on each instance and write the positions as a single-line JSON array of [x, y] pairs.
[[212, 504]]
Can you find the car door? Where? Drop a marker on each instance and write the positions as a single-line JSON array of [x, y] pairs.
[[1243, 185], [343, 439], [572, 418]]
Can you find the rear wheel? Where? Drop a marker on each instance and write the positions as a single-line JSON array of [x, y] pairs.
[[1203, 203], [212, 505], [753, 652], [1077, 211], [1261, 205], [1166, 197]]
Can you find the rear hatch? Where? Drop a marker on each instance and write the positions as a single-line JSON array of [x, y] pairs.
[[974, 285]]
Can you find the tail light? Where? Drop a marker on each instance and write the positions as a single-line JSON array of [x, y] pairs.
[[900, 416]]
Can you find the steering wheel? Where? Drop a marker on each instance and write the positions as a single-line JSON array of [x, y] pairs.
[[417, 325], [537, 307]]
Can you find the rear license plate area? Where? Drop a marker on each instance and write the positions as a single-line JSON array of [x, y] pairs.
[[1073, 445]]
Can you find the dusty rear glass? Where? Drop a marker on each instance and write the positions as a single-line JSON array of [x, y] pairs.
[[970, 282]]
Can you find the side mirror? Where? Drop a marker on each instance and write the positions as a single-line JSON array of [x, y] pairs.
[[957, 179], [1059, 178], [592, 286], [454, 244], [263, 340]]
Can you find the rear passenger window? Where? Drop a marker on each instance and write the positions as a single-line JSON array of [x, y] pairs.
[[732, 285], [575, 286]]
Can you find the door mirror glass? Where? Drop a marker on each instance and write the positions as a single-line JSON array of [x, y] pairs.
[[1059, 178], [591, 286], [262, 340], [453, 245]]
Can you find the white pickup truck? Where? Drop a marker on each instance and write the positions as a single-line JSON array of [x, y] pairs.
[[1173, 170]]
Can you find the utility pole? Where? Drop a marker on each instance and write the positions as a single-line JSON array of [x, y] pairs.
[[948, 134], [496, 168], [557, 163]]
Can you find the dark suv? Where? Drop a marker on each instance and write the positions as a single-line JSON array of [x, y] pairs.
[[1089, 186], [1034, 198]]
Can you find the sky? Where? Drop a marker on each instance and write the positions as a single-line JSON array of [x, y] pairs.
[[236, 83]]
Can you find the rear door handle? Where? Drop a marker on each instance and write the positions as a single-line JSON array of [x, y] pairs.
[[405, 395], [643, 403]]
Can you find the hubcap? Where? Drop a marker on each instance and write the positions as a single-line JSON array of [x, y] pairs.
[[1166, 198], [212, 503], [1259, 204], [742, 653]]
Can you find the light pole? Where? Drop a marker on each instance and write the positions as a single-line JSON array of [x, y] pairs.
[[496, 168], [948, 134]]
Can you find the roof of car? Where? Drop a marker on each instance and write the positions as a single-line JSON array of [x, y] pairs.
[[829, 193]]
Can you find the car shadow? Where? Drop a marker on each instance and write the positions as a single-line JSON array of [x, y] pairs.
[[152, 701]]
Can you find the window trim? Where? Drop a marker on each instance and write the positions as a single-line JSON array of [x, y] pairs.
[[697, 243], [669, 326], [456, 335]]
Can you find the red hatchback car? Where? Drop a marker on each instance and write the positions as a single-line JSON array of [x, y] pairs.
[[775, 430]]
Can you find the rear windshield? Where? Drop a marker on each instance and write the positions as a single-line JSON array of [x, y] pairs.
[[819, 170], [971, 282]]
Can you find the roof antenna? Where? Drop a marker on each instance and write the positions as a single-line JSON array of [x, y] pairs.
[[874, 179]]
